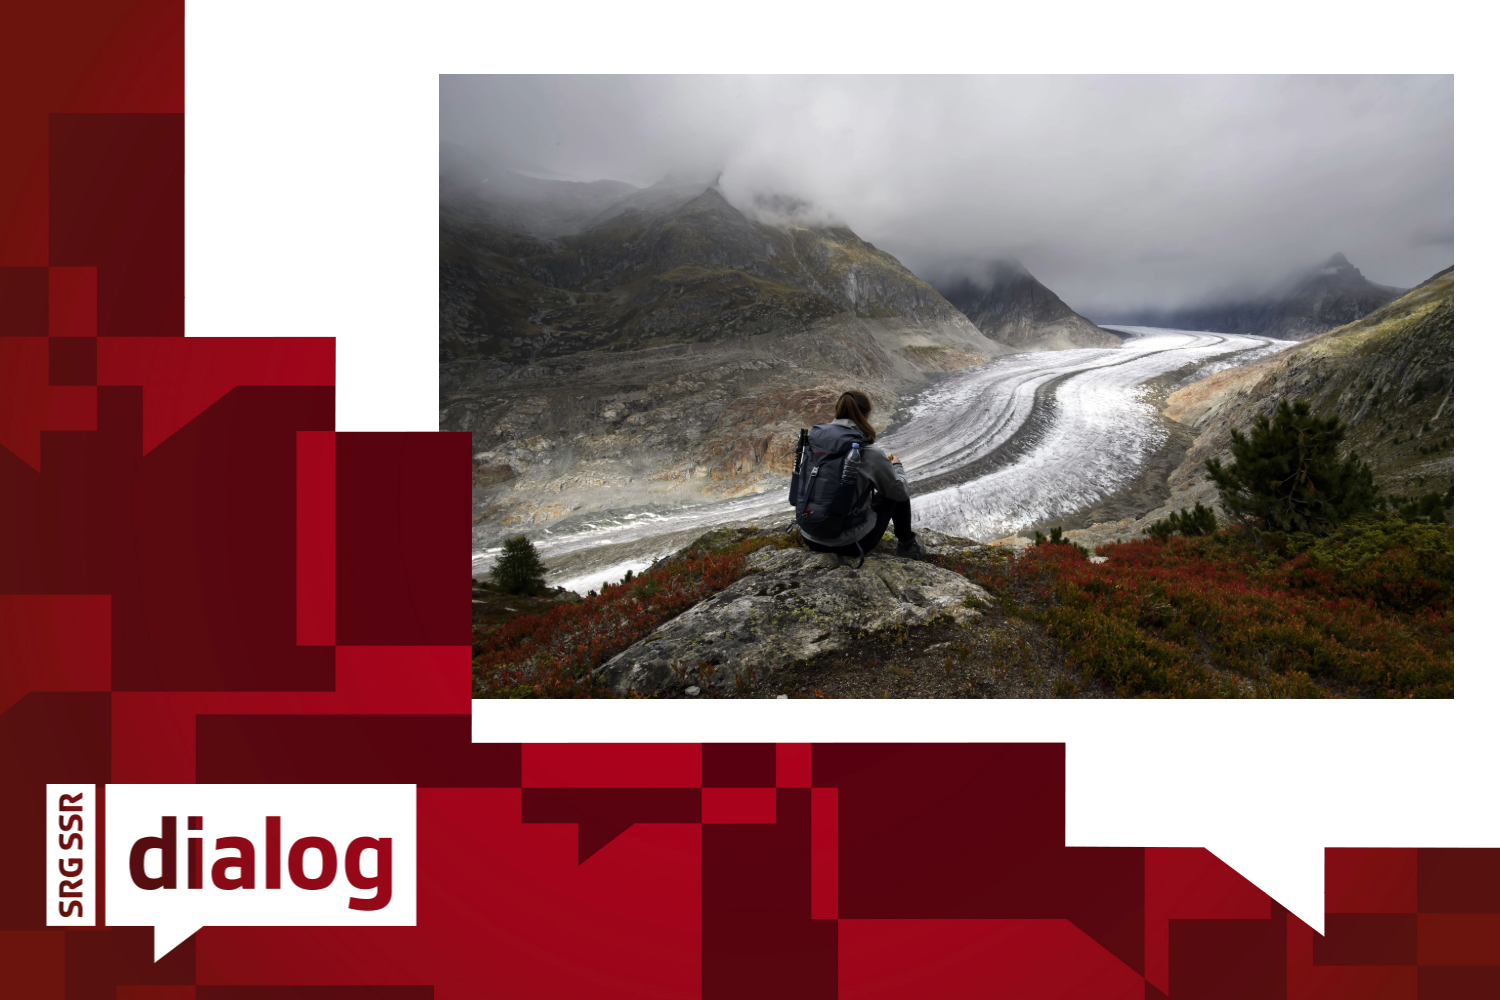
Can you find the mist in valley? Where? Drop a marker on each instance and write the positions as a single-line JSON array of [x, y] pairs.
[[1121, 194]]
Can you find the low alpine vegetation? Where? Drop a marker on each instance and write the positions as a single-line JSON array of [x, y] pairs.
[[553, 654], [1056, 538], [1366, 610], [1200, 520], [1427, 507]]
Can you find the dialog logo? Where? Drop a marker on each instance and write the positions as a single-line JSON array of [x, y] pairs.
[[179, 857]]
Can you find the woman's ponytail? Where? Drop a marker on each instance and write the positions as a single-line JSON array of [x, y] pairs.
[[855, 406]]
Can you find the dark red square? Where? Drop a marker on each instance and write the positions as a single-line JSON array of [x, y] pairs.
[[1367, 939], [1457, 982], [23, 302], [1228, 959], [114, 202], [1458, 880], [72, 361], [739, 765], [402, 558]]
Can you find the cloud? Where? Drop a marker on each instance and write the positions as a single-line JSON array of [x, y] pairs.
[[1115, 191]]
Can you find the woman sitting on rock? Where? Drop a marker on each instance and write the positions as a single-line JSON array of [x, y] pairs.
[[879, 495]]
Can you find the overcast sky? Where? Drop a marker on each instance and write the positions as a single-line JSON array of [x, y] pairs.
[[1116, 192]]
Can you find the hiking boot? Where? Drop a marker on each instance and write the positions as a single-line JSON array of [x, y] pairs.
[[912, 548]]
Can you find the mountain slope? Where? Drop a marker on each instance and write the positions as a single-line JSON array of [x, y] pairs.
[[696, 271], [1389, 376], [1333, 296], [526, 204], [668, 352], [1325, 297], [1021, 312]]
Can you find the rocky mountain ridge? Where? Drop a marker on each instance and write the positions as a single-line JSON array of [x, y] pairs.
[[697, 270], [1325, 297], [1388, 376], [1020, 312], [669, 352]]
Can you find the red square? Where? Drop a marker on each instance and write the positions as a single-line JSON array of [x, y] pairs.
[[794, 765], [73, 301], [1370, 880], [739, 805], [1458, 939], [611, 765], [32, 963]]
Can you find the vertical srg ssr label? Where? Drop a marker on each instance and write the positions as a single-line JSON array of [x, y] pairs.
[[71, 876]]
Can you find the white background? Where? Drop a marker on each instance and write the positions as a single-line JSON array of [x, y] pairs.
[[337, 813], [312, 150]]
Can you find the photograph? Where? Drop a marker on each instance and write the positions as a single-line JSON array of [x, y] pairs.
[[953, 386]]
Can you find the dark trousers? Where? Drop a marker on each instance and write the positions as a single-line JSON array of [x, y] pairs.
[[887, 513]]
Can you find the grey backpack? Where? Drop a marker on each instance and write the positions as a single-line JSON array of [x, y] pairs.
[[827, 490]]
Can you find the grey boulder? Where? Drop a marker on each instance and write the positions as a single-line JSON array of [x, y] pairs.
[[791, 605]]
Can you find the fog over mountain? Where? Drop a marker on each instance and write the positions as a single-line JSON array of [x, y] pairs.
[[1119, 194]]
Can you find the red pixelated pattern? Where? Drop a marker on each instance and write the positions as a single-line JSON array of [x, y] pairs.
[[200, 580]]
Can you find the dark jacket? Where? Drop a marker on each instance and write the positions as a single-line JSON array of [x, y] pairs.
[[876, 471]]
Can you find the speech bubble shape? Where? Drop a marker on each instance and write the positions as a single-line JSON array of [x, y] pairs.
[[265, 856]]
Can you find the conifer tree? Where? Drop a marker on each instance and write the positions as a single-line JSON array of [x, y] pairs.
[[519, 569], [1287, 475], [1187, 523]]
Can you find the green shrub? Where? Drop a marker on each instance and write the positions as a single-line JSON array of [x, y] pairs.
[[1429, 506], [519, 569], [1287, 476], [1056, 538], [1366, 610], [1404, 565], [1200, 520]]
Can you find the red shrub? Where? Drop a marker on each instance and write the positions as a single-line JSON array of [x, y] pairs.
[[1214, 616], [553, 654]]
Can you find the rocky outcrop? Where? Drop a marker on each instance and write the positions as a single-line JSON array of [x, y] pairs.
[[1022, 313], [792, 605]]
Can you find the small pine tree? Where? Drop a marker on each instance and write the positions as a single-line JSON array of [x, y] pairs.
[[1056, 538], [1428, 507], [1287, 476], [1200, 520], [519, 569]]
